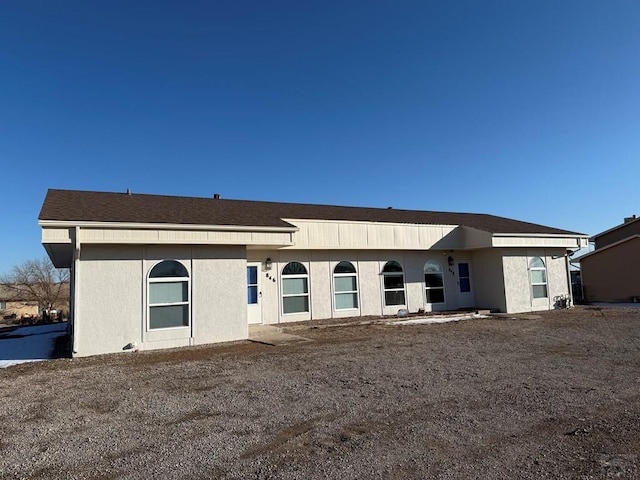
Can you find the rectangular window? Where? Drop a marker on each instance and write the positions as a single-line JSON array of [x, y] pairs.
[[252, 285], [168, 304], [169, 316], [346, 300], [394, 297], [463, 277], [539, 291], [3, 305], [435, 295], [295, 293], [168, 292], [346, 292], [295, 304]]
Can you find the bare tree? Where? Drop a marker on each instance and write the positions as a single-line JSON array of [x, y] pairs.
[[37, 281]]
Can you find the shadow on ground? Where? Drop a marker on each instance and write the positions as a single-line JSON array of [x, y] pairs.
[[33, 343]]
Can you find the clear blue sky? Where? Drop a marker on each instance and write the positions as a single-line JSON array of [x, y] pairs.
[[524, 109]]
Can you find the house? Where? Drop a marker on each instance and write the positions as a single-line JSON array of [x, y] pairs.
[[611, 273], [151, 271], [13, 307]]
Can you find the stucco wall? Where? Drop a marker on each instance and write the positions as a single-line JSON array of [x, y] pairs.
[[489, 279], [612, 275], [518, 294], [368, 264], [109, 306], [112, 297]]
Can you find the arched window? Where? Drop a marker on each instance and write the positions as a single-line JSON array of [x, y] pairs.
[[538, 274], [295, 288], [434, 282], [393, 284], [345, 286], [168, 295]]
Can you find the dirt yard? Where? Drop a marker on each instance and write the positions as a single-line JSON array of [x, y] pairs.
[[551, 397]]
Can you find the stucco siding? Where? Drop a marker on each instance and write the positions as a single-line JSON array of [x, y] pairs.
[[110, 299], [219, 294], [518, 292], [488, 280], [369, 264], [516, 281]]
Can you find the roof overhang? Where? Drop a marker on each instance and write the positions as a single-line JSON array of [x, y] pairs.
[[540, 240], [60, 238]]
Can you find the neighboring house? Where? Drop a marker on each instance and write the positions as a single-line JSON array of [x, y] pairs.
[[150, 271], [14, 307], [611, 273]]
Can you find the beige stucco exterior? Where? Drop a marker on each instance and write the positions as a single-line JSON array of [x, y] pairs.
[[110, 308], [518, 292], [111, 262]]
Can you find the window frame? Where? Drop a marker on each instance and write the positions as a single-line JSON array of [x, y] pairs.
[[159, 280], [384, 286], [355, 292], [293, 276], [427, 288], [533, 284]]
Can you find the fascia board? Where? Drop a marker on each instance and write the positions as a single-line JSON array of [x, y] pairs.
[[164, 226], [617, 227], [368, 222], [541, 235]]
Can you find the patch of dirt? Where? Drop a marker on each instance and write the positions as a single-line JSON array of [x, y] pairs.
[[555, 395]]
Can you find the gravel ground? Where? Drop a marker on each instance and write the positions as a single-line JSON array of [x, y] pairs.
[[551, 397]]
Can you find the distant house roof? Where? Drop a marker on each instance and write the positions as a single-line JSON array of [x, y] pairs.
[[86, 206], [628, 221], [608, 247]]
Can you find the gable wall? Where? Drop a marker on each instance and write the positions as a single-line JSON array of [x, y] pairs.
[[624, 231], [612, 275]]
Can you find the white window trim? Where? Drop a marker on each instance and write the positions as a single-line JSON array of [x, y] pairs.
[[167, 280], [284, 276], [426, 288], [385, 290], [335, 292], [537, 284]]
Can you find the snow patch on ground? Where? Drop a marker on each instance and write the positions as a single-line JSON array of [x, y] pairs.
[[29, 344], [438, 319]]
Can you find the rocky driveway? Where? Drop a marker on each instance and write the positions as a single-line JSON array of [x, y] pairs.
[[549, 396]]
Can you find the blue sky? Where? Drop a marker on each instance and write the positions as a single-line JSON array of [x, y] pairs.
[[524, 109]]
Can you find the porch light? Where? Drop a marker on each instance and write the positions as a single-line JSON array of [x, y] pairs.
[[450, 261], [267, 263]]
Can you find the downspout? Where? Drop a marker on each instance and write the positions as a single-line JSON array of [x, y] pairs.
[[568, 266], [76, 264]]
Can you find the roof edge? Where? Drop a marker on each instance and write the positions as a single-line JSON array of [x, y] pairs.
[[164, 226]]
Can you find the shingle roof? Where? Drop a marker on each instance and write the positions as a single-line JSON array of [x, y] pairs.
[[85, 206]]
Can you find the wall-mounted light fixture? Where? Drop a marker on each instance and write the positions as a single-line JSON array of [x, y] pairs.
[[267, 263], [450, 261]]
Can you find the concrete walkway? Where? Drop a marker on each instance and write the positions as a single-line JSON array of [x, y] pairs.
[[272, 335]]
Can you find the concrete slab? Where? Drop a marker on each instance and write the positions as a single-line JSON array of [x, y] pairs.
[[272, 335]]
